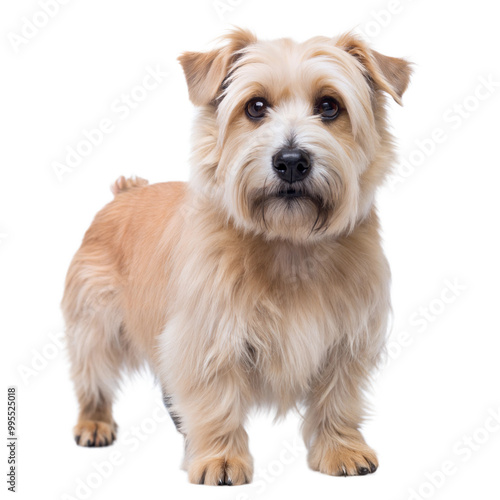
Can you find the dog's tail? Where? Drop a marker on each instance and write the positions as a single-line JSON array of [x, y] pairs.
[[123, 184]]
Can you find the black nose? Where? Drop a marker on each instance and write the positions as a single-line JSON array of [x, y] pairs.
[[292, 164]]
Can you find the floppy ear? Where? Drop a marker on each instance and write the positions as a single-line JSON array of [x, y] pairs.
[[390, 74], [205, 71]]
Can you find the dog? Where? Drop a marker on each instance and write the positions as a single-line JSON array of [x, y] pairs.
[[261, 282]]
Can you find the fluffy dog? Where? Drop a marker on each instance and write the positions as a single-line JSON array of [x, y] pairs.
[[261, 281]]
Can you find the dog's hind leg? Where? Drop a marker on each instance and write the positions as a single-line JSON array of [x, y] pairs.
[[95, 373], [96, 350], [167, 401]]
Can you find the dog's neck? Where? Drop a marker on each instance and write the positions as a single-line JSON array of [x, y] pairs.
[[278, 257]]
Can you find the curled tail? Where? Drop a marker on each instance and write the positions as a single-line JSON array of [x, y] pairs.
[[123, 184]]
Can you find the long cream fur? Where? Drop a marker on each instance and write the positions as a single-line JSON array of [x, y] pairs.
[[235, 298]]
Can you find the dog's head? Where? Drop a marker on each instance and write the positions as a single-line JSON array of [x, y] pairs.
[[291, 140]]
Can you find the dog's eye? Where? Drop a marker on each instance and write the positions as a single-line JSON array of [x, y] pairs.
[[256, 108], [328, 108]]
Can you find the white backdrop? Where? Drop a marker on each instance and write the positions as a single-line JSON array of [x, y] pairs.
[[436, 405]]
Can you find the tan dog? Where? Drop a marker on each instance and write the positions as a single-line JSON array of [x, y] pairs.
[[260, 282]]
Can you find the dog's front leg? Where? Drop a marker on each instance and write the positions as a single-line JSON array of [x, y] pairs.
[[334, 414], [212, 414]]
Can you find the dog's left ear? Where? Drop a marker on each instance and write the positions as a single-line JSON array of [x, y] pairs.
[[206, 71], [390, 74]]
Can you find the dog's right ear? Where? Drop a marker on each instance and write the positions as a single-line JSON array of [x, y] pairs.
[[205, 71], [390, 74]]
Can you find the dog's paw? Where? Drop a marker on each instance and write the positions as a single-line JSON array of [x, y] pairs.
[[94, 433], [221, 471], [340, 460]]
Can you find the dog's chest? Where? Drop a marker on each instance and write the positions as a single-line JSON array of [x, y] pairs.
[[290, 328], [289, 343]]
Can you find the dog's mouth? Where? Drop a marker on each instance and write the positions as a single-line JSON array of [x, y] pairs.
[[291, 193], [296, 200]]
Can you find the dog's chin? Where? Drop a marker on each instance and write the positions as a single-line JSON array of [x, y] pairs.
[[290, 213]]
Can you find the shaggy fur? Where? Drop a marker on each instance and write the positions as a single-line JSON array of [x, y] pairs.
[[234, 295]]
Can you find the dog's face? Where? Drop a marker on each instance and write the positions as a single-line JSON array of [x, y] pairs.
[[292, 141]]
